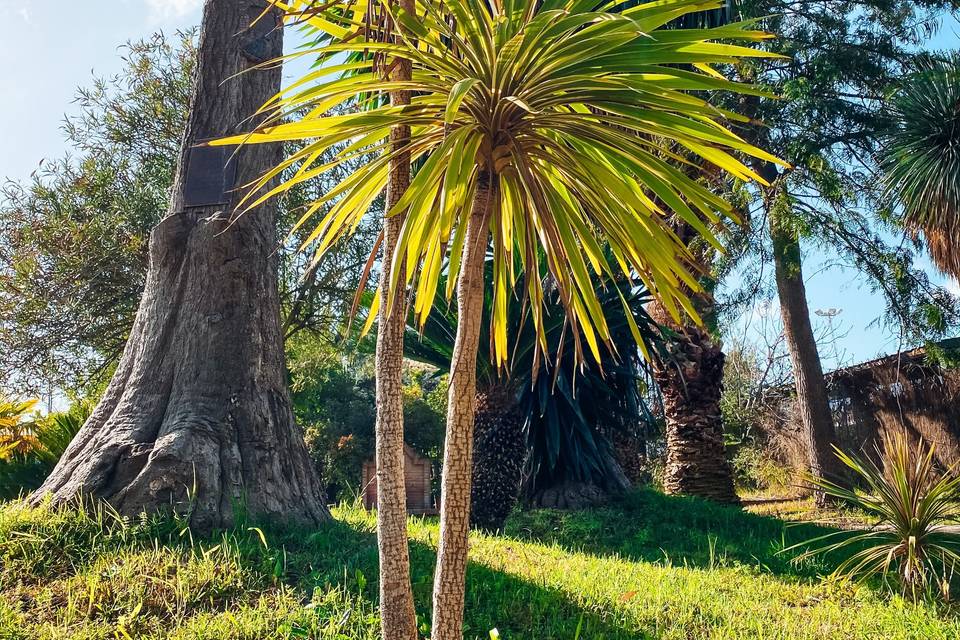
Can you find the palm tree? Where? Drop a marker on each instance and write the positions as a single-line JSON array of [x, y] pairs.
[[922, 158], [555, 421], [540, 127]]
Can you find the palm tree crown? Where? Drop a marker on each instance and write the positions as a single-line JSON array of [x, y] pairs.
[[563, 105], [922, 158]]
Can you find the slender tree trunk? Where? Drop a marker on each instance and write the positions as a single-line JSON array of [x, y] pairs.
[[398, 618], [811, 388], [450, 577], [197, 417]]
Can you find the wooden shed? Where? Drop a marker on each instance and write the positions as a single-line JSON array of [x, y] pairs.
[[418, 472], [901, 391]]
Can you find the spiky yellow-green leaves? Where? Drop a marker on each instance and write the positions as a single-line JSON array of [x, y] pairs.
[[571, 104]]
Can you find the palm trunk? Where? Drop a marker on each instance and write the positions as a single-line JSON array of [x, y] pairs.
[[691, 384], [450, 578], [197, 417], [398, 617], [811, 388], [499, 455]]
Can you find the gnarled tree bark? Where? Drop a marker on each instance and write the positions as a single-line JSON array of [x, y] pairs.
[[197, 417]]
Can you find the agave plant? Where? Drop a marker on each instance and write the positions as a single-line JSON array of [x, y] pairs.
[[914, 502], [922, 158], [541, 127]]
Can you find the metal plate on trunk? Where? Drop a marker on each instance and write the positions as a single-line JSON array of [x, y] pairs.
[[211, 174]]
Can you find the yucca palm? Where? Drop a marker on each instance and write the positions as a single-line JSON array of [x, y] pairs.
[[398, 617], [914, 501], [539, 126], [922, 158]]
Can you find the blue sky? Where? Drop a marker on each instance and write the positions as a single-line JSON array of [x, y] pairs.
[[48, 49]]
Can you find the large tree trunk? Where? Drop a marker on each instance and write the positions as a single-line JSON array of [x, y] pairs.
[[197, 417], [811, 388], [398, 618], [450, 576], [690, 382]]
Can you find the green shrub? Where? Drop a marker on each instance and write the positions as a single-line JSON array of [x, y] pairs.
[[334, 398], [30, 446], [755, 468]]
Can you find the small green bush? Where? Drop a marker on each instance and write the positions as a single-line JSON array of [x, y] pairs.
[[756, 469], [334, 398]]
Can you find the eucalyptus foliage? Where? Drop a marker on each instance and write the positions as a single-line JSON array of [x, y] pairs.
[[845, 58]]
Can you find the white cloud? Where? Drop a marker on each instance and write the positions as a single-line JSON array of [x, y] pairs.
[[167, 9], [19, 8]]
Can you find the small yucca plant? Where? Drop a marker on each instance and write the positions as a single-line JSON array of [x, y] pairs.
[[914, 501], [30, 446]]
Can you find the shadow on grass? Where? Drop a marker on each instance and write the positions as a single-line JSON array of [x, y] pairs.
[[344, 553], [646, 525], [44, 549]]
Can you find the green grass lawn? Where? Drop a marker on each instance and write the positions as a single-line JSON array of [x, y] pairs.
[[647, 567]]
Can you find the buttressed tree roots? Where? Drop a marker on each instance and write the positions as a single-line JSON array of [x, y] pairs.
[[197, 417]]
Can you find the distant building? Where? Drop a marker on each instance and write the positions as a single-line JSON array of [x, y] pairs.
[[901, 391], [419, 474]]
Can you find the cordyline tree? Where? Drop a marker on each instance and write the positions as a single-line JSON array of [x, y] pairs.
[[398, 617], [197, 416], [538, 128]]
